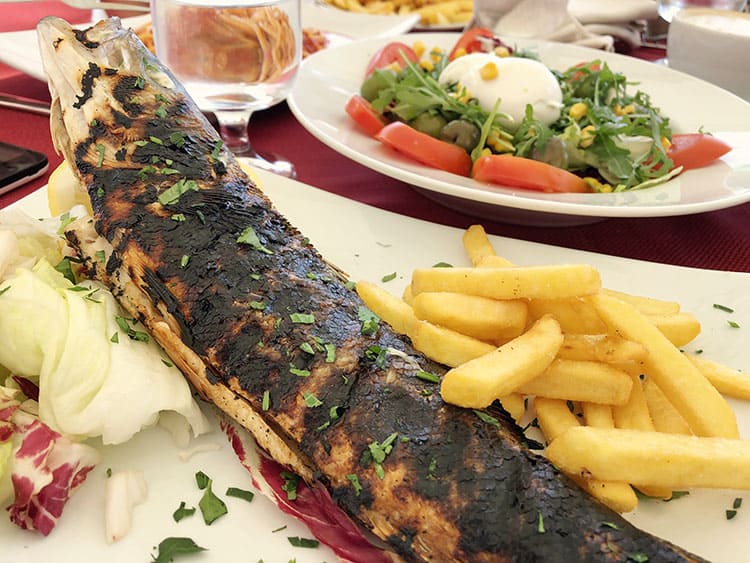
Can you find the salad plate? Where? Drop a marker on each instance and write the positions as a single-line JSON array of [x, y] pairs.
[[327, 80], [19, 49], [385, 243]]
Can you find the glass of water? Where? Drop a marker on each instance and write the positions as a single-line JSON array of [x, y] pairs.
[[234, 57], [668, 8]]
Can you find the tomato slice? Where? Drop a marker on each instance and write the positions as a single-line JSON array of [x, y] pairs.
[[425, 149], [694, 150], [364, 115], [470, 42], [394, 52], [525, 173]]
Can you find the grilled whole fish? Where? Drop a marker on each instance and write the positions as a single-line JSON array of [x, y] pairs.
[[264, 328]]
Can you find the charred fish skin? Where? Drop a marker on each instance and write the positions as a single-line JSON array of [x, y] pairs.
[[264, 327]]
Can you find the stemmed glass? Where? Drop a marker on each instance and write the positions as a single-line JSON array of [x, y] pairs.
[[234, 57]]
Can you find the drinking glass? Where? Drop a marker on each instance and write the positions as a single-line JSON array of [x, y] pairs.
[[668, 8], [234, 57]]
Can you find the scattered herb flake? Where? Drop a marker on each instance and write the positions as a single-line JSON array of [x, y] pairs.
[[723, 308], [173, 193], [731, 514], [202, 480], [540, 523], [212, 507], [100, 154], [299, 372], [484, 417], [737, 503], [388, 277], [100, 256], [330, 353], [217, 149], [311, 400], [161, 111], [266, 402], [442, 265], [257, 305], [140, 82], [427, 376], [291, 480], [177, 139], [302, 318], [170, 548], [167, 363], [303, 542], [280, 529], [240, 493], [140, 143], [249, 237], [65, 220], [638, 557], [108, 472], [355, 483], [115, 338], [306, 348], [179, 217], [610, 525], [369, 320], [182, 512], [184, 260], [3, 290], [733, 324]]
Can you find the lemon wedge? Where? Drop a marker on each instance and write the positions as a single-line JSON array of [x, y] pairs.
[[64, 191]]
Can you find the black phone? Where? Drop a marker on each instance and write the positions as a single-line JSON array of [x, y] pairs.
[[19, 165]]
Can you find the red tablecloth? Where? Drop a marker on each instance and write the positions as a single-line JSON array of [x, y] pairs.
[[717, 240]]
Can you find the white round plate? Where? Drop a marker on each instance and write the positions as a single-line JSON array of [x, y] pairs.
[[327, 79]]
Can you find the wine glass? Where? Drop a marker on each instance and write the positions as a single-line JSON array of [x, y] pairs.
[[234, 57]]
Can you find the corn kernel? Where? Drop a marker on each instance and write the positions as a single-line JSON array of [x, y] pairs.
[[578, 110], [666, 143], [419, 48], [427, 65], [485, 152], [596, 186], [502, 51], [627, 110], [488, 71], [587, 136]]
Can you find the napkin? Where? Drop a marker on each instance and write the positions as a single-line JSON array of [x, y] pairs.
[[591, 23]]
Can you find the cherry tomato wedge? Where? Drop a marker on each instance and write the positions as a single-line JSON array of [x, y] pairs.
[[470, 42], [394, 52], [518, 172], [425, 149], [694, 150], [363, 114]]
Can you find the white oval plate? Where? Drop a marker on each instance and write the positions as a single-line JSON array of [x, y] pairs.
[[328, 78]]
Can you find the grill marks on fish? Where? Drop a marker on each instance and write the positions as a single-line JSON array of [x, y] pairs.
[[437, 482]]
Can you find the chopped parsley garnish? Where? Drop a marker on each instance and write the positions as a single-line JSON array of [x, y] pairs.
[[355, 483], [161, 111], [610, 525], [140, 83], [330, 353], [100, 154], [266, 401], [184, 260], [723, 308], [540, 523], [240, 493], [442, 265], [177, 139], [100, 256], [737, 502], [115, 338], [202, 480], [65, 220], [182, 512], [427, 376], [258, 305], [733, 324], [212, 507], [377, 355], [173, 193], [379, 452], [306, 348], [140, 143], [249, 237], [167, 363], [217, 149], [388, 277], [133, 334], [170, 548], [638, 557], [291, 480], [731, 514], [299, 372], [303, 542], [368, 319], [302, 318], [155, 140], [3, 290], [484, 417], [311, 400], [179, 217]]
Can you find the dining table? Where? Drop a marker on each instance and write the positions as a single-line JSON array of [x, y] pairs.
[[715, 240]]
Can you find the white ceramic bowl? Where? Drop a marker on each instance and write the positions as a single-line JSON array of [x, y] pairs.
[[713, 45]]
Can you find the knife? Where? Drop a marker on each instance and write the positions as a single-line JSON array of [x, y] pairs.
[[24, 104]]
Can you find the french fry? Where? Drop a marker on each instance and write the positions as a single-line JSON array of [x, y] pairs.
[[634, 415], [391, 309], [663, 414], [652, 458], [601, 348], [702, 407], [515, 404], [575, 316], [598, 415], [486, 319], [493, 261], [646, 305], [475, 384], [680, 328], [554, 418], [577, 380], [725, 379], [548, 282], [476, 244], [447, 346]]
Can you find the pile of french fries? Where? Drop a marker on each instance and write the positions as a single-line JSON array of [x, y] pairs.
[[619, 404], [431, 12]]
